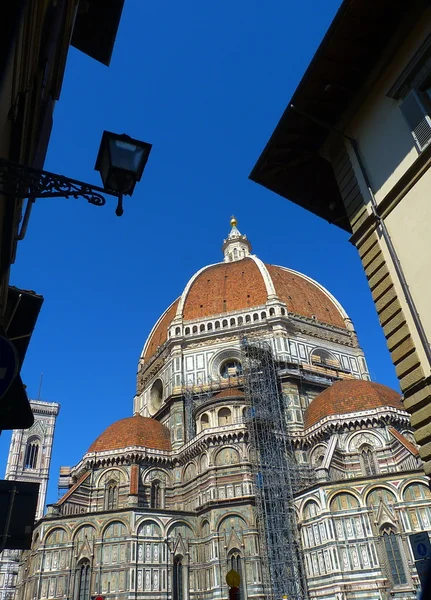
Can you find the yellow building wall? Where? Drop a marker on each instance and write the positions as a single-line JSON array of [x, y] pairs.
[[409, 227], [383, 136]]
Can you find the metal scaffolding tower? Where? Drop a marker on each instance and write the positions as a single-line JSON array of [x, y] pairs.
[[276, 474]]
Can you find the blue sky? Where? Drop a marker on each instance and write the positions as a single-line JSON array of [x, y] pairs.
[[205, 83]]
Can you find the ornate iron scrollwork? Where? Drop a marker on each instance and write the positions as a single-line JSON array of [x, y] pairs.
[[25, 182]]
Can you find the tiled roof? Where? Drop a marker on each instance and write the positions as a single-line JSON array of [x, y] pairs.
[[404, 441], [133, 431], [159, 335], [230, 393], [304, 297], [239, 285], [350, 396], [225, 287]]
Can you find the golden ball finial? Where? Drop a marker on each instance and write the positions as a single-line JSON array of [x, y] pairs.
[[233, 221]]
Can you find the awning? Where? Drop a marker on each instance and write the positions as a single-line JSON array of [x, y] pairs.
[[96, 27], [21, 314]]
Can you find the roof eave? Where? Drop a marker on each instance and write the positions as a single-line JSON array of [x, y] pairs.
[[290, 164]]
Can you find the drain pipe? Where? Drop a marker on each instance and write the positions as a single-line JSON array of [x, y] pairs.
[[385, 233]]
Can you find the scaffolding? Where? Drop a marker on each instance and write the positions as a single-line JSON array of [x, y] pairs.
[[276, 472]]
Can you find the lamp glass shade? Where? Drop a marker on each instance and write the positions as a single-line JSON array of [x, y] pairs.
[[121, 161]]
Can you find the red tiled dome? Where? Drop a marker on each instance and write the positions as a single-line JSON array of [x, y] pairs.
[[133, 431], [230, 393], [239, 285], [348, 396]]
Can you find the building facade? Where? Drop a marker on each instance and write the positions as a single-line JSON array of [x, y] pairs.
[[36, 37], [163, 503], [355, 150], [29, 460]]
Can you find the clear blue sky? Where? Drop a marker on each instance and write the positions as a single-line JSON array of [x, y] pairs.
[[205, 83]]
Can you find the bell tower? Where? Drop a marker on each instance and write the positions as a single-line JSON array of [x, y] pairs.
[[29, 460], [30, 450]]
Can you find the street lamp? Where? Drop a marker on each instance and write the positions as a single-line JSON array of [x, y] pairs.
[[121, 161]]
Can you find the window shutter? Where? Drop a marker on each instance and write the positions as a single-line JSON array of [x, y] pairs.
[[417, 119]]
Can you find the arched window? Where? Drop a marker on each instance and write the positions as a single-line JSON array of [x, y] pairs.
[[209, 326], [247, 318], [111, 496], [343, 501], [235, 564], [217, 325], [205, 421], [255, 317], [417, 491], [232, 322], [321, 357], [177, 330], [263, 315], [368, 461], [31, 454], [283, 312], [224, 323], [187, 331], [271, 312], [195, 329], [224, 417], [177, 580], [395, 562], [230, 368], [311, 509], [82, 580], [378, 495], [240, 320], [156, 494]]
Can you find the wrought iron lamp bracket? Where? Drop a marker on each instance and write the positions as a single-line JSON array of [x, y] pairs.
[[20, 181]]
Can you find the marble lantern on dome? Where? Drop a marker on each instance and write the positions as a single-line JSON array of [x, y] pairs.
[[162, 505]]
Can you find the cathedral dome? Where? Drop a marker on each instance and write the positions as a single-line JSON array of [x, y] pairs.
[[350, 396], [244, 282], [133, 431]]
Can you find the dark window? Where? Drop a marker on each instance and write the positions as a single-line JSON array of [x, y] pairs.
[[247, 318], [202, 327], [111, 496], [156, 495], [210, 326], [31, 455], [177, 586], [82, 579], [395, 560], [231, 368], [235, 565], [232, 322], [368, 461], [271, 312]]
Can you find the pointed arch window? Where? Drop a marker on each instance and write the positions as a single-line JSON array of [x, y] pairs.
[[177, 580], [156, 494], [393, 551], [82, 580], [111, 496], [235, 564], [31, 454], [368, 461]]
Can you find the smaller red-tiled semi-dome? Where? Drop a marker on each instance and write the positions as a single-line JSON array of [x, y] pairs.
[[350, 396], [230, 393], [133, 431]]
